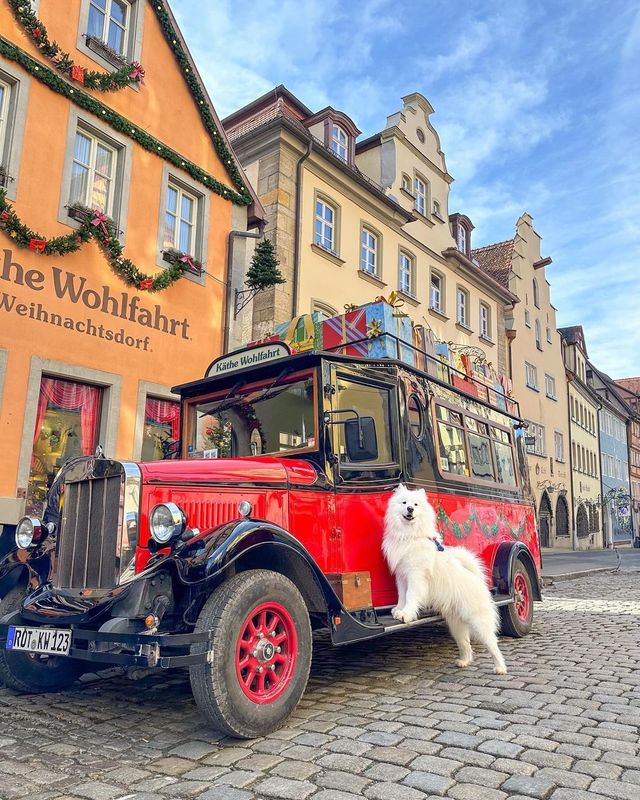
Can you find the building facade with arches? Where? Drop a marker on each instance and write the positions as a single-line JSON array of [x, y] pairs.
[[584, 410], [536, 368]]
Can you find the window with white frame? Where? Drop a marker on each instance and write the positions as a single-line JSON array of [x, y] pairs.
[[462, 307], [406, 183], [436, 209], [421, 196], [531, 375], [558, 444], [180, 220], [550, 386], [339, 142], [93, 172], [535, 432], [109, 21], [325, 227], [485, 321], [405, 274], [5, 97], [538, 333], [436, 296], [462, 239], [369, 252]]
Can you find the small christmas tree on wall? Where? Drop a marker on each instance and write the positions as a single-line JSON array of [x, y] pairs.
[[263, 273]]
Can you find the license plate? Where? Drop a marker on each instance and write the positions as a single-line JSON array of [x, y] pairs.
[[50, 641]]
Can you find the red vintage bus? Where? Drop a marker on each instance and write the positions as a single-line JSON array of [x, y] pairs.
[[268, 528]]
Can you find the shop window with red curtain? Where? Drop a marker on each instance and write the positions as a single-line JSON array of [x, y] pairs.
[[67, 426], [161, 430]]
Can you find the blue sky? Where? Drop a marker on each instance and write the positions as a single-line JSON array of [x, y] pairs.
[[537, 105]]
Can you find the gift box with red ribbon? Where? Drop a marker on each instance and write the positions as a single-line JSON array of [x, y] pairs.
[[374, 330]]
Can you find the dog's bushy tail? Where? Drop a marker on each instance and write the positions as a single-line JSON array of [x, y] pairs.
[[471, 562]]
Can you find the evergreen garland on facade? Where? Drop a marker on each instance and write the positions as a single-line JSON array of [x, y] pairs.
[[97, 226], [132, 73], [121, 124], [263, 271]]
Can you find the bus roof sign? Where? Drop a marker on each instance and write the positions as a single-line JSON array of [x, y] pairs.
[[250, 357]]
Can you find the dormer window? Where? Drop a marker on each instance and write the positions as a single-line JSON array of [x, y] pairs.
[[462, 239], [339, 142]]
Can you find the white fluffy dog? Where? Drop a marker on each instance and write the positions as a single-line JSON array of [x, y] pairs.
[[451, 580]]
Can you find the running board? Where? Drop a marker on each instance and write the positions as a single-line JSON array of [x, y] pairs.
[[392, 625]]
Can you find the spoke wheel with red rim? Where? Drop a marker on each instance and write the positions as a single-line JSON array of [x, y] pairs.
[[266, 652], [261, 645], [521, 597], [517, 618]]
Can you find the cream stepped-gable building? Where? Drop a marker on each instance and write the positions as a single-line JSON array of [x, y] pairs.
[[536, 368], [351, 221], [584, 406]]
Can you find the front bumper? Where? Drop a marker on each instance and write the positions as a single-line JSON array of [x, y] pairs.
[[165, 651]]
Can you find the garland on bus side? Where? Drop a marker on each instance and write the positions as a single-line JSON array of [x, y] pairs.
[[128, 73], [102, 229], [460, 530]]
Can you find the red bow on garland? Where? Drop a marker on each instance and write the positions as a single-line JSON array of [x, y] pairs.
[[100, 220], [188, 260], [147, 283], [137, 72]]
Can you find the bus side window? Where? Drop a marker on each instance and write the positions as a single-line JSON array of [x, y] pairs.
[[451, 444], [505, 467]]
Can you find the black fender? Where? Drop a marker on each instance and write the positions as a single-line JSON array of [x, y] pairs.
[[206, 560], [31, 566], [504, 564]]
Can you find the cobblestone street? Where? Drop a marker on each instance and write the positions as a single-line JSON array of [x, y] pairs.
[[387, 720]]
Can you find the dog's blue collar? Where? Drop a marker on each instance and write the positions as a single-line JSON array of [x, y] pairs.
[[439, 545]]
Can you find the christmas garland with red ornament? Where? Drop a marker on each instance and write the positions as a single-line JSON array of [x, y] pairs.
[[94, 225], [129, 73]]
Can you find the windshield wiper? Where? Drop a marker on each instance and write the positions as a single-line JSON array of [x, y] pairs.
[[265, 394], [219, 406]]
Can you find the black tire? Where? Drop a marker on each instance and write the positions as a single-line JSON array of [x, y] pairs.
[[517, 618], [217, 686], [27, 672]]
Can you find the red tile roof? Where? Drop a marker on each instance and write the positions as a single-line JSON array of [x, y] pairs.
[[495, 260]]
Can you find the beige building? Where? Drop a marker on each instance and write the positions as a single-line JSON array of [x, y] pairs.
[[354, 220], [537, 370], [584, 406]]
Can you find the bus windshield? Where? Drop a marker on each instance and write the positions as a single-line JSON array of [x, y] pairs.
[[272, 418]]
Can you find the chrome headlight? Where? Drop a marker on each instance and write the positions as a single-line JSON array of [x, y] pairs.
[[167, 521], [28, 530]]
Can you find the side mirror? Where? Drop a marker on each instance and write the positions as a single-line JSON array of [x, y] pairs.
[[360, 439]]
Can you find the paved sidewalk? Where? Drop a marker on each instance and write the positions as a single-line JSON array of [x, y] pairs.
[[561, 563], [391, 719]]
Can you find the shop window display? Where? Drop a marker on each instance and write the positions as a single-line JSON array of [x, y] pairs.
[[67, 425], [161, 430]]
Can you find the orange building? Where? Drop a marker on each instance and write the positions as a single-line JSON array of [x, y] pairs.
[[119, 198]]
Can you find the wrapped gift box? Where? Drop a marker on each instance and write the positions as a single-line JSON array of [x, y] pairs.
[[361, 332], [301, 333]]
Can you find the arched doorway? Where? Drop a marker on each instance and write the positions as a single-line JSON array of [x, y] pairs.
[[544, 520], [582, 522], [562, 516]]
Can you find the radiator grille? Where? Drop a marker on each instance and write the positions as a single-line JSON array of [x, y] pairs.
[[89, 534]]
